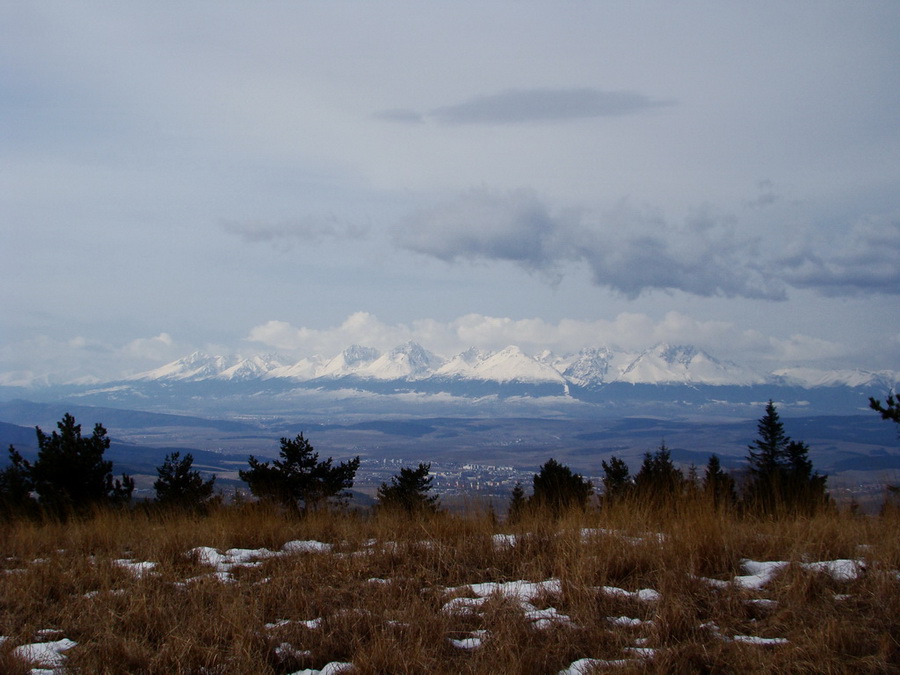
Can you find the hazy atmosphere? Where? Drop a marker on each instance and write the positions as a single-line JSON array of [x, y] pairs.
[[299, 177]]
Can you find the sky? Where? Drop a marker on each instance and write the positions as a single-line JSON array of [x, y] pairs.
[[294, 178]]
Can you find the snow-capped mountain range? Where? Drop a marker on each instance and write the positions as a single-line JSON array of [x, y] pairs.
[[588, 369]]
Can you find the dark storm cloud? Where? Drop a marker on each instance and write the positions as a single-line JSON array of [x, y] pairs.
[[480, 224], [866, 260], [627, 250], [517, 106], [634, 251]]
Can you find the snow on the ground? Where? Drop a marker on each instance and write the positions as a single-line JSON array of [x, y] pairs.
[[45, 655], [522, 592], [585, 666], [644, 594], [332, 668], [474, 641], [48, 655], [759, 574], [225, 562], [626, 621], [755, 640], [138, 569], [516, 590]]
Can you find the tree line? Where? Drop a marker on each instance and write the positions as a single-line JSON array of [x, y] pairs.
[[71, 477]]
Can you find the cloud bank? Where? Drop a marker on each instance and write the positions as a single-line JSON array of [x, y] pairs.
[[628, 331], [635, 251]]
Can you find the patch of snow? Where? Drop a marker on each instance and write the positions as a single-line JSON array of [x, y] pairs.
[[288, 651], [332, 668], [585, 666], [138, 569], [839, 570], [475, 640], [504, 540], [45, 654], [519, 590], [310, 546], [644, 594], [277, 624], [758, 573], [544, 618], [625, 621], [754, 640]]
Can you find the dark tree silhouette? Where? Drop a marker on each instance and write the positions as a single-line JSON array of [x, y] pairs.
[[16, 486], [617, 483], [408, 491], [557, 489], [890, 410], [781, 475], [70, 474], [718, 485], [658, 481], [518, 503], [180, 485], [299, 480]]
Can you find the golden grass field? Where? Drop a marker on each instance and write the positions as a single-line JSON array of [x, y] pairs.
[[397, 594]]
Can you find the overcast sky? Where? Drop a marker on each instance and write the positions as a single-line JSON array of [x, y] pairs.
[[293, 177]]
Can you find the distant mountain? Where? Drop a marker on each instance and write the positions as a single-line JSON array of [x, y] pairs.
[[679, 375], [665, 364]]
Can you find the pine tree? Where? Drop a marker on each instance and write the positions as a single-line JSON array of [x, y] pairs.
[[617, 483], [180, 485], [557, 489], [781, 475], [890, 410], [408, 491], [70, 474], [16, 486], [299, 481], [518, 503], [803, 488], [658, 481], [718, 486]]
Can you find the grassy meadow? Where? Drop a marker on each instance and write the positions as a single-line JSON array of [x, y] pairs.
[[624, 590]]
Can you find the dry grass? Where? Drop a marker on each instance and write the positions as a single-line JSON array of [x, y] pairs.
[[379, 598]]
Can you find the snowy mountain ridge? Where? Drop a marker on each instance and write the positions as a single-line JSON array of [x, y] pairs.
[[589, 368]]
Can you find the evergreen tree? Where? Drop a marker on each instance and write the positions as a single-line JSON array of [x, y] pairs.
[[408, 491], [658, 481], [518, 503], [557, 489], [617, 483], [718, 486], [890, 410], [803, 488], [781, 473], [180, 485], [16, 486], [70, 474], [299, 480]]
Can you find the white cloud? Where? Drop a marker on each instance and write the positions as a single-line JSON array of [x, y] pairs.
[[628, 331]]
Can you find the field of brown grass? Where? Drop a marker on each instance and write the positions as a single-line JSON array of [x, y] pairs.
[[614, 590]]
